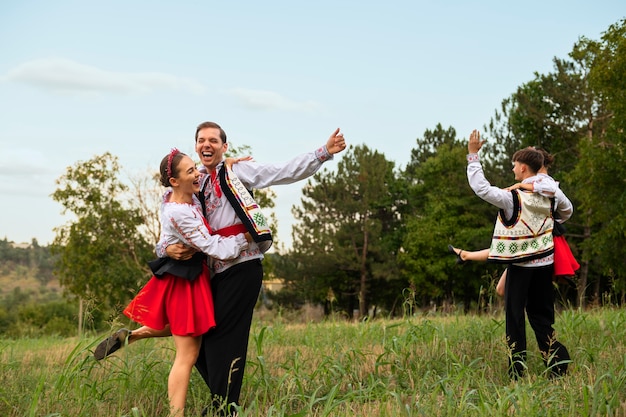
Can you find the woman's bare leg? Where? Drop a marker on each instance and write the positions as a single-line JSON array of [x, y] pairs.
[[480, 255], [466, 255], [145, 332], [501, 284], [187, 350], [120, 338]]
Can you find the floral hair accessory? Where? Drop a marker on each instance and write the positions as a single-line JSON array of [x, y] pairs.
[[173, 153]]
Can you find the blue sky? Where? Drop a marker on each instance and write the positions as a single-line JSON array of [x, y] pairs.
[[135, 78]]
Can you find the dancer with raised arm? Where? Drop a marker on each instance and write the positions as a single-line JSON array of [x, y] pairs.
[[565, 264], [522, 239], [230, 207]]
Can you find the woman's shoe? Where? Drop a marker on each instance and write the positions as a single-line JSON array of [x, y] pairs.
[[562, 279], [459, 260], [111, 344]]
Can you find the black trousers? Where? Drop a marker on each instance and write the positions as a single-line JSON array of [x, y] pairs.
[[223, 351], [530, 291]]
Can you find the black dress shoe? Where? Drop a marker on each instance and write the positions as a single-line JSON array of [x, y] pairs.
[[562, 279], [111, 344], [458, 255]]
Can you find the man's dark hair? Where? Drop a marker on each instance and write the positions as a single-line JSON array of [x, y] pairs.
[[529, 156], [213, 125]]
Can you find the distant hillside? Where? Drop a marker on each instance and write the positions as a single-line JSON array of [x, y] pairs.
[[27, 267], [26, 280]]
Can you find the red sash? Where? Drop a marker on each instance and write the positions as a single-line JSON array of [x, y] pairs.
[[235, 229]]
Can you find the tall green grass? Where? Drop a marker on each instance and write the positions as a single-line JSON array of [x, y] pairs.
[[422, 366]]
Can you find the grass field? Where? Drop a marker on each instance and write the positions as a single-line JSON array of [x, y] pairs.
[[428, 365]]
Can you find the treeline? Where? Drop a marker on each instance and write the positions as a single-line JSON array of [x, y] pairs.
[[32, 256], [371, 236], [29, 305]]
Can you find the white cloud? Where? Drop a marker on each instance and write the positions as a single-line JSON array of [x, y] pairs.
[[270, 100], [14, 161], [69, 77], [26, 173]]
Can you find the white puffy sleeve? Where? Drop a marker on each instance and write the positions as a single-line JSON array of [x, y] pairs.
[[183, 223], [564, 206], [255, 175], [545, 185]]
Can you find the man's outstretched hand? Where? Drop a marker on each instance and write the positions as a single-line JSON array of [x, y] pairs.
[[336, 143]]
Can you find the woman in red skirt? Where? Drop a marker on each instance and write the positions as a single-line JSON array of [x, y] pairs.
[[177, 300]]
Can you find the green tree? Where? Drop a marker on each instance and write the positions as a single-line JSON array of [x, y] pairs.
[[548, 111], [101, 254], [600, 170], [347, 225], [569, 113], [444, 210], [147, 193]]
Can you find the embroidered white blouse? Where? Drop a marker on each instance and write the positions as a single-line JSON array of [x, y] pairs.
[[183, 223]]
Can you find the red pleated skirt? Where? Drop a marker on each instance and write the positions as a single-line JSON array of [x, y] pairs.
[[187, 306], [564, 261]]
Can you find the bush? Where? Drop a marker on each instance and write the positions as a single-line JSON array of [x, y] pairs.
[[5, 320], [38, 319], [59, 326]]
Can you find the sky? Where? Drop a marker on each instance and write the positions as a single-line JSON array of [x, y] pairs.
[[134, 78]]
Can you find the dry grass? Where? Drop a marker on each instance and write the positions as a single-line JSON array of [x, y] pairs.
[[421, 366]]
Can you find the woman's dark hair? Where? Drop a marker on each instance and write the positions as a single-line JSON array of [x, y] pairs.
[[547, 158], [169, 166]]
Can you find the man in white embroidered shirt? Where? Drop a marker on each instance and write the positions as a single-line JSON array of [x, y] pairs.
[[523, 239], [236, 283]]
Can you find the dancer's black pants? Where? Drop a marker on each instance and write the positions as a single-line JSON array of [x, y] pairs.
[[223, 351], [530, 291]]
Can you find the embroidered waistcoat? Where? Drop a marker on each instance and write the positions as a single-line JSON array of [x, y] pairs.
[[527, 235]]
